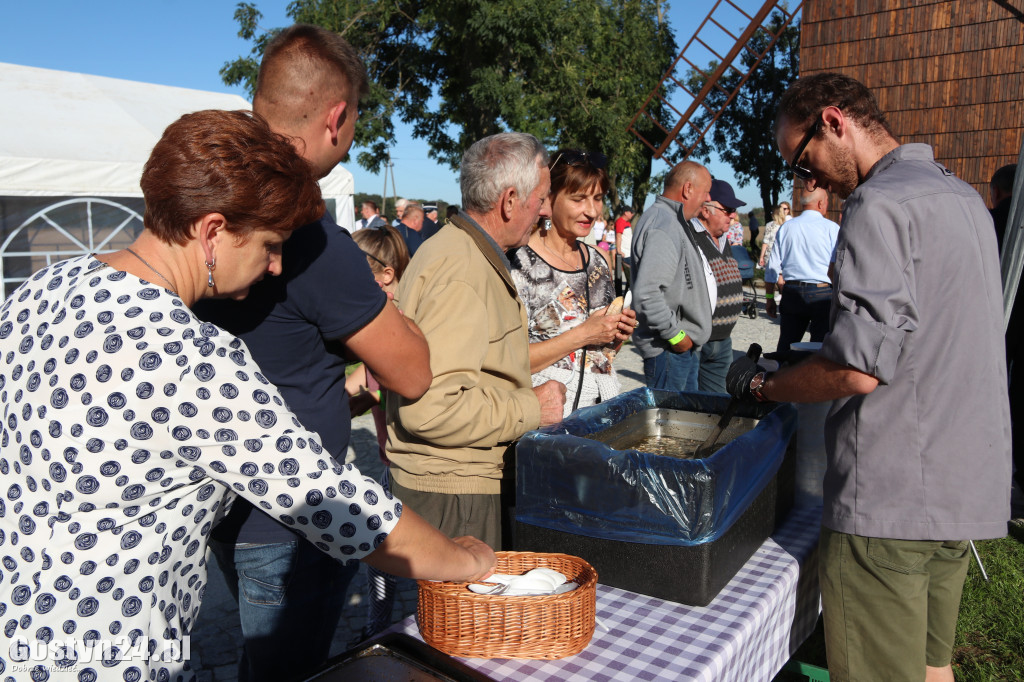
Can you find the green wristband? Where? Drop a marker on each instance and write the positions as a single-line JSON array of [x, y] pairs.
[[770, 297], [677, 338]]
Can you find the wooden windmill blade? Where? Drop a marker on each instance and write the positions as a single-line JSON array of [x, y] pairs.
[[712, 31]]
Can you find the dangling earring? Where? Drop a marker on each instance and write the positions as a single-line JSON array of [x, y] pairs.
[[209, 267]]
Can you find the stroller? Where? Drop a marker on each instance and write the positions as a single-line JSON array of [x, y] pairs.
[[746, 265]]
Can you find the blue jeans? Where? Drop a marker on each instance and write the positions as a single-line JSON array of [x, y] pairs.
[[290, 597], [715, 359], [672, 371]]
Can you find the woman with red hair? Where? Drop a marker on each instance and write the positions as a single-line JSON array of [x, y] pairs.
[[131, 424]]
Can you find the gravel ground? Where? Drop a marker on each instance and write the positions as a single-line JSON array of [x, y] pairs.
[[216, 638]]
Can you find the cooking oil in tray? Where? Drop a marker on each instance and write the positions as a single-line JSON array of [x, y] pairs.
[[671, 446]]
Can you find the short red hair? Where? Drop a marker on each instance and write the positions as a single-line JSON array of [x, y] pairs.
[[226, 162]]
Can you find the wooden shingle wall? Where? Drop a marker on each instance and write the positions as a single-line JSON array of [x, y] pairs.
[[946, 72]]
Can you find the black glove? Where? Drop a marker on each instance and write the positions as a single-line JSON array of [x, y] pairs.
[[789, 357], [737, 381]]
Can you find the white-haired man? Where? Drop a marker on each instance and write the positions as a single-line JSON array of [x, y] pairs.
[[448, 448]]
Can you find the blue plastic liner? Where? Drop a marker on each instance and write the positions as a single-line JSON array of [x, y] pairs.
[[573, 484]]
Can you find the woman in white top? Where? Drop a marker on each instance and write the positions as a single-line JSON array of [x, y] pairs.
[[779, 216], [597, 231]]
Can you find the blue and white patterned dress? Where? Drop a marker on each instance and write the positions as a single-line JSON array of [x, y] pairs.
[[128, 425]]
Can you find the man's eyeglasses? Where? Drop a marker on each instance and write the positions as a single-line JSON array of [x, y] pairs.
[[800, 171], [578, 158], [726, 211]]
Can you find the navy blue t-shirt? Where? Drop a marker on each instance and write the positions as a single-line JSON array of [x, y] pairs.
[[412, 238], [293, 325]]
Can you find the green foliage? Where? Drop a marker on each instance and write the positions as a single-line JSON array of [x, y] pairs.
[[571, 72], [990, 630], [743, 136]]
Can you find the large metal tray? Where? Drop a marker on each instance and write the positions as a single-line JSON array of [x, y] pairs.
[[688, 429], [395, 658]]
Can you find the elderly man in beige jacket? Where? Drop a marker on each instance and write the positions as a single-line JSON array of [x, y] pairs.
[[448, 449]]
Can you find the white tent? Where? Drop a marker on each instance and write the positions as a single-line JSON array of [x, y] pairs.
[[72, 148]]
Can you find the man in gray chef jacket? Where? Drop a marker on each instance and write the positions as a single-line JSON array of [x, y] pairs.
[[918, 440]]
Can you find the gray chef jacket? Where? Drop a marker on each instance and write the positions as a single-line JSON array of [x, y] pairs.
[[918, 305]]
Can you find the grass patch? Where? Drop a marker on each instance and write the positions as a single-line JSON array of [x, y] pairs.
[[989, 642], [990, 630]]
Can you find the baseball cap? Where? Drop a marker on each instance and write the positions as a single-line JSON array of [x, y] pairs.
[[721, 191]]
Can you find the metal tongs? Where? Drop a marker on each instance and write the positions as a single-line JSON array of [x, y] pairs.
[[705, 448]]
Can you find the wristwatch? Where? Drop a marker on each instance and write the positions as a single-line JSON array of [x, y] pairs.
[[756, 384]]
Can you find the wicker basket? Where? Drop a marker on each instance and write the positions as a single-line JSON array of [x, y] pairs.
[[459, 622]]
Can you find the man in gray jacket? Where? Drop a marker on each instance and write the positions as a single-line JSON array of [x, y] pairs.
[[918, 439], [670, 283]]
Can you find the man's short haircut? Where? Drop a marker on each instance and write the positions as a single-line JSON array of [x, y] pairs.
[[812, 197], [226, 162], [305, 69], [807, 97], [371, 204], [682, 173], [498, 162], [412, 208], [452, 210], [1002, 179]]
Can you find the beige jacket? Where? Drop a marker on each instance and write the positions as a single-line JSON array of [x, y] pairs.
[[452, 439]]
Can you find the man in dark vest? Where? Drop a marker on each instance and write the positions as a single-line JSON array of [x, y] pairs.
[[725, 284]]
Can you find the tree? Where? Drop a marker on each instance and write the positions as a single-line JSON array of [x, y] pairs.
[[743, 136], [571, 72]]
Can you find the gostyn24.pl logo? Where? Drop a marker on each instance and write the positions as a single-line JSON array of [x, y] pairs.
[[72, 652]]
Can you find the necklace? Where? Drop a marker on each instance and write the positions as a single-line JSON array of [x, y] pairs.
[[556, 255], [128, 249]]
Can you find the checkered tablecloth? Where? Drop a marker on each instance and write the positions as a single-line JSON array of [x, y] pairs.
[[747, 633]]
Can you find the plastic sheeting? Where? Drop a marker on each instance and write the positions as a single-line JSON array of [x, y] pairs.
[[570, 483]]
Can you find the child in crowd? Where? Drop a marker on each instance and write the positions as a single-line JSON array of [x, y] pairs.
[[388, 257]]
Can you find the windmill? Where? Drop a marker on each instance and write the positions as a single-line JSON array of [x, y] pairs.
[[711, 32]]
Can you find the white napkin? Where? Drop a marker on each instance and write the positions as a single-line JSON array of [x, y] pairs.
[[539, 581]]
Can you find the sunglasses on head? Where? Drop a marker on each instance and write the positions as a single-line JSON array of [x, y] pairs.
[[370, 255], [799, 171], [578, 158]]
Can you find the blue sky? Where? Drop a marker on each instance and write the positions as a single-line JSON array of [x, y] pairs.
[[186, 42]]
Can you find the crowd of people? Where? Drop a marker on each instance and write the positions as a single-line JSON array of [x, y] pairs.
[[172, 396]]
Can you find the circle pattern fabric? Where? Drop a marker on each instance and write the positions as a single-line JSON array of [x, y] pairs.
[[128, 426]]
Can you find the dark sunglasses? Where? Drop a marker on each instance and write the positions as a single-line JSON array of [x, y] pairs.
[[723, 209], [800, 171], [578, 158]]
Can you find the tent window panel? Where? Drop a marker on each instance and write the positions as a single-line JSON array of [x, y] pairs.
[[38, 231]]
